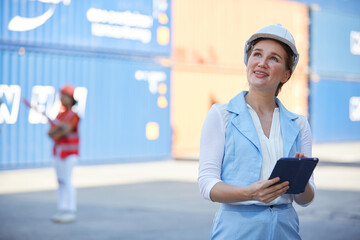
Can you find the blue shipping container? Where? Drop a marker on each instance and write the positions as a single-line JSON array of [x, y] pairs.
[[126, 27], [335, 44], [335, 110], [123, 104], [348, 6]]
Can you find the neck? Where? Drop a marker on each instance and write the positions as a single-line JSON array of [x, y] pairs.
[[67, 107], [260, 101]]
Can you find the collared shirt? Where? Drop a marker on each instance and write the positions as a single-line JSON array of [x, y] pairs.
[[272, 147]]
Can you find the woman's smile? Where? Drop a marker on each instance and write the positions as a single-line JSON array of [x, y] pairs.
[[260, 74]]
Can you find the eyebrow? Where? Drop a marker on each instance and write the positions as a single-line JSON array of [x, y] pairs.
[[273, 53]]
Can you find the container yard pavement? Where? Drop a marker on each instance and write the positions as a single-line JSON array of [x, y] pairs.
[[160, 200]]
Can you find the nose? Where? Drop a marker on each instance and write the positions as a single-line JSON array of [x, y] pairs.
[[262, 62]]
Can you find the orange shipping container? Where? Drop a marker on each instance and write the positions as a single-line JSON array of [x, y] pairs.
[[208, 44]]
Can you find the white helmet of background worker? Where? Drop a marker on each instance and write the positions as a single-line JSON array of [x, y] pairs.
[[276, 32]]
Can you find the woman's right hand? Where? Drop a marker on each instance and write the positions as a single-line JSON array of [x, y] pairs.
[[267, 190], [264, 191]]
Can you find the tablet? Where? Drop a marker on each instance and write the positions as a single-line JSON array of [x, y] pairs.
[[295, 170]]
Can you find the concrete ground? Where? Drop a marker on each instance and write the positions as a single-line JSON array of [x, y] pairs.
[[160, 200]]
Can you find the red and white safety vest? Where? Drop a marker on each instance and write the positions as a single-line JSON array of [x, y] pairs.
[[69, 144]]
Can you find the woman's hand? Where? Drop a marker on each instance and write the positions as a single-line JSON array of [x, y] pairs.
[[299, 155], [264, 191], [267, 190]]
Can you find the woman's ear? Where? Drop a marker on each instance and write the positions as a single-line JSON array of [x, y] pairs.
[[286, 77]]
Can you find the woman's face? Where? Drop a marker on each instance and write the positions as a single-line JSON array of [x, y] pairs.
[[266, 66]]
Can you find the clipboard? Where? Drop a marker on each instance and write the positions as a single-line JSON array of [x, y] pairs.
[[295, 170]]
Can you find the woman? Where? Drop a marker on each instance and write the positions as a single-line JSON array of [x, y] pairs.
[[64, 132], [242, 140]]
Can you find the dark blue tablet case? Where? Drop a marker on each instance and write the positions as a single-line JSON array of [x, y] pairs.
[[295, 170]]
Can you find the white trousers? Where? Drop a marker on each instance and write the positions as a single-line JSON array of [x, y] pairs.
[[66, 193]]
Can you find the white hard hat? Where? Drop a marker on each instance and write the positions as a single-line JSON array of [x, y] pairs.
[[278, 33]]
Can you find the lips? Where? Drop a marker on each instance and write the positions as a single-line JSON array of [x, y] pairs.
[[260, 74]]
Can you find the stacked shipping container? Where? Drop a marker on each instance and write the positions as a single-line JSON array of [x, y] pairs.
[[335, 76], [208, 59], [110, 51], [117, 54]]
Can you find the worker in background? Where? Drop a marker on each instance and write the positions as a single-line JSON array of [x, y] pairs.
[[64, 132]]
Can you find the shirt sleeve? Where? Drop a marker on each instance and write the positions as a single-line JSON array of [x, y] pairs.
[[306, 147], [211, 151]]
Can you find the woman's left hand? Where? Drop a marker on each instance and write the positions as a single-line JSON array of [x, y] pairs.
[[299, 155]]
